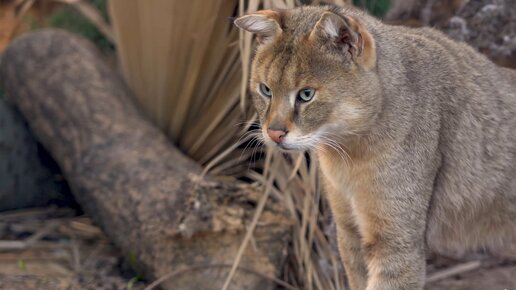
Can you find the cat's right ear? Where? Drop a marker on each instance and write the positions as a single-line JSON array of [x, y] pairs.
[[264, 23], [347, 35]]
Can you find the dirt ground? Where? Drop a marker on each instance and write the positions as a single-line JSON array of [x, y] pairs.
[[484, 274], [498, 277], [54, 248], [58, 248]]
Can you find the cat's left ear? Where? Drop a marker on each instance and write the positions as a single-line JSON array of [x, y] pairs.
[[264, 23], [347, 36]]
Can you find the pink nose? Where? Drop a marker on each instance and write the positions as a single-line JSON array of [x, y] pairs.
[[276, 135]]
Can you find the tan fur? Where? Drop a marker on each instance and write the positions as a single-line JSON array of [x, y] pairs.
[[415, 136]]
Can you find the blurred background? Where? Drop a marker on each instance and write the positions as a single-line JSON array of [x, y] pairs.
[[188, 68]]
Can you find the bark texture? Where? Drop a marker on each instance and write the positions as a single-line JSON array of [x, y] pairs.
[[149, 198]]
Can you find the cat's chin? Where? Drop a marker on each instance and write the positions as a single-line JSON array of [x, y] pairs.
[[284, 148], [289, 145], [290, 148]]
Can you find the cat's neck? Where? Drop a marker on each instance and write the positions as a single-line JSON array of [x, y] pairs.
[[356, 148]]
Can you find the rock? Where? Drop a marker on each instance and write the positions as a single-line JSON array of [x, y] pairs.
[[490, 27], [435, 13]]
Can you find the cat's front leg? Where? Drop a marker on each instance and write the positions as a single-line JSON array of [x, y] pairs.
[[350, 249], [395, 262], [392, 225], [348, 238]]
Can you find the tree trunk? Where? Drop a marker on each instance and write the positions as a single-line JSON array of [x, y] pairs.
[[148, 197]]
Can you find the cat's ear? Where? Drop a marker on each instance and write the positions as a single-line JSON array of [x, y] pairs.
[[264, 23], [347, 36]]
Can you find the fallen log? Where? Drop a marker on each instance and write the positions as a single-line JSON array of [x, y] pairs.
[[149, 198], [28, 177]]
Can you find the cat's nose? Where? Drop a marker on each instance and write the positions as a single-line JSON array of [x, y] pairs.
[[276, 135]]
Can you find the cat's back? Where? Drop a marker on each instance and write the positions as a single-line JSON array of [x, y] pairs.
[[475, 187], [476, 183]]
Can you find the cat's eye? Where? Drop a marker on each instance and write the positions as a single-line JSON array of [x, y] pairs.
[[305, 95], [265, 90]]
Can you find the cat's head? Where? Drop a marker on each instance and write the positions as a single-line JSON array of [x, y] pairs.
[[313, 77]]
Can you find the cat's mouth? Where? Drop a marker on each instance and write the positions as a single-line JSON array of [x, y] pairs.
[[294, 145], [292, 142], [285, 147], [289, 146]]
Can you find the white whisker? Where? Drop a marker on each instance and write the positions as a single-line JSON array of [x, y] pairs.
[[324, 139]]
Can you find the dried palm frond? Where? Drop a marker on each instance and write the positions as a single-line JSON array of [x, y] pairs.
[[11, 14], [182, 60]]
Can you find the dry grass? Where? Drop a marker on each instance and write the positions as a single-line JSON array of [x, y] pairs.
[[189, 68], [52, 248], [182, 60]]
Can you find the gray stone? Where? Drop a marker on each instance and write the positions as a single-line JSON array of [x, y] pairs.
[[490, 27]]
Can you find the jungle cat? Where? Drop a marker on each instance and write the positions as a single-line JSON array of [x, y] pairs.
[[415, 135]]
